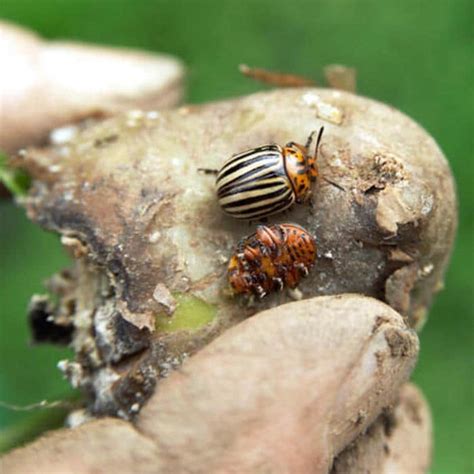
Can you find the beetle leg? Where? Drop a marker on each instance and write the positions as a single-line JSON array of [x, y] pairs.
[[264, 250], [302, 268], [260, 291], [279, 283], [208, 171], [243, 261]]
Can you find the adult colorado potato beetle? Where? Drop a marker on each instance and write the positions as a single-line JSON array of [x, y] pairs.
[[266, 180], [270, 259]]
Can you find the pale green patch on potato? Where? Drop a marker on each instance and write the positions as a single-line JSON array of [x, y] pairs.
[[191, 313]]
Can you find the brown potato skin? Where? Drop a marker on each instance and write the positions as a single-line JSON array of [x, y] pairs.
[[127, 197]]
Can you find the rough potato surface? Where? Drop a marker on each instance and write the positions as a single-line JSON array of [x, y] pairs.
[[144, 224]]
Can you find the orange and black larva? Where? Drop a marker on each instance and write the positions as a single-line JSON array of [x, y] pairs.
[[270, 259], [266, 180]]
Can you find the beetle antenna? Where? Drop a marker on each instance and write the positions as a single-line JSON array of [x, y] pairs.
[[310, 139], [318, 141]]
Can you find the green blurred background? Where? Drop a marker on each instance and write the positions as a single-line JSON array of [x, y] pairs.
[[414, 55]]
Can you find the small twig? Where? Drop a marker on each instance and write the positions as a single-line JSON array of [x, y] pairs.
[[275, 78]]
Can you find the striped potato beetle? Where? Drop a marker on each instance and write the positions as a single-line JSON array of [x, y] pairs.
[[270, 259], [266, 180]]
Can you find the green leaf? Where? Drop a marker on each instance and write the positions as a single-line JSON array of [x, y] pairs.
[[30, 428], [15, 180]]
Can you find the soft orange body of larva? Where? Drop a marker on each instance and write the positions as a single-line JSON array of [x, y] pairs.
[[270, 259]]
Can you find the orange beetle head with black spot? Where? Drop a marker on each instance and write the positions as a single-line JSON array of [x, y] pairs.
[[301, 166]]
